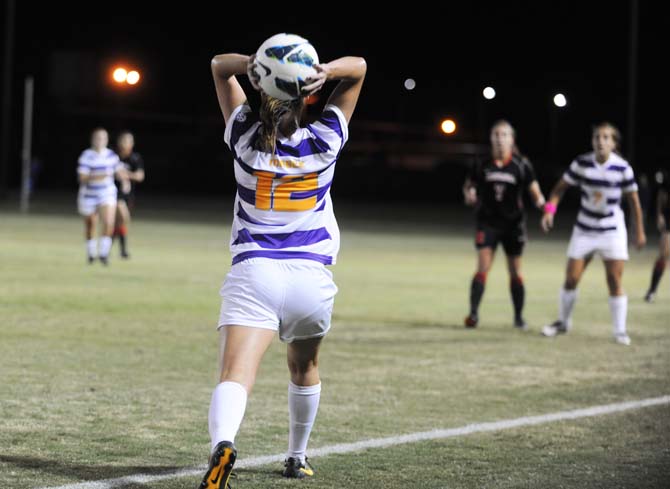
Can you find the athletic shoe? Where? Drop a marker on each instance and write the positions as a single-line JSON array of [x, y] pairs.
[[555, 328], [622, 339], [649, 297], [471, 321], [220, 466], [521, 324], [296, 469]]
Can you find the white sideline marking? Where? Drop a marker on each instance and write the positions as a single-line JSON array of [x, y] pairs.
[[384, 442]]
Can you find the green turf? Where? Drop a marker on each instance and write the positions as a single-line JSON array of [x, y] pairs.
[[108, 372]]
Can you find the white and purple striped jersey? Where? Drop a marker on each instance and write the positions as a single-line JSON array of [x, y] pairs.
[[103, 164], [283, 208], [602, 186]]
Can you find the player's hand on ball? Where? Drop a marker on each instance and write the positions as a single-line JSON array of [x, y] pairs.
[[252, 73], [315, 82], [547, 222]]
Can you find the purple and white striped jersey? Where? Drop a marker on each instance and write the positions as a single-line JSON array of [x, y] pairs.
[[283, 208], [103, 164], [602, 186]]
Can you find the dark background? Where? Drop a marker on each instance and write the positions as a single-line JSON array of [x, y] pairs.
[[527, 51]]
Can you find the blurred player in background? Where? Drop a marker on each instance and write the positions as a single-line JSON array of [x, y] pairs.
[[603, 177], [496, 187], [663, 224], [134, 174], [284, 232], [96, 169]]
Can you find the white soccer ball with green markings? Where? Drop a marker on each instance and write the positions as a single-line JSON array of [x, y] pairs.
[[283, 64]]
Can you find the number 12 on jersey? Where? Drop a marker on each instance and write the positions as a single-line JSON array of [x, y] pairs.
[[278, 194]]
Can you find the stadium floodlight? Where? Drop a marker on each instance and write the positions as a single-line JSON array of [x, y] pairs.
[[489, 93], [120, 75], [133, 77], [410, 84], [560, 100], [448, 126]]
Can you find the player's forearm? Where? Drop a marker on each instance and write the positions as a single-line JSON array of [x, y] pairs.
[[226, 65], [536, 194], [136, 176], [661, 202], [636, 209], [557, 192], [348, 68]]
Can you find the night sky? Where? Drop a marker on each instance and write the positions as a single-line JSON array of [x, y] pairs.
[[528, 51]]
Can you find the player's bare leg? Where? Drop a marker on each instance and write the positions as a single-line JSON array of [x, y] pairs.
[[90, 225], [618, 301], [107, 217], [121, 228], [517, 290], [659, 265], [241, 350], [304, 392], [568, 296], [484, 261]]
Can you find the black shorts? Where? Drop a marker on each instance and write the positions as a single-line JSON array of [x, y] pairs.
[[511, 235], [128, 198], [666, 215]]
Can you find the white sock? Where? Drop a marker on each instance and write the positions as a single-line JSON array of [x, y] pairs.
[[229, 401], [565, 306], [303, 403], [92, 247], [105, 246], [618, 309]]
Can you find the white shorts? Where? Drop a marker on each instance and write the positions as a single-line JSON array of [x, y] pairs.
[[88, 203], [294, 297], [609, 245]]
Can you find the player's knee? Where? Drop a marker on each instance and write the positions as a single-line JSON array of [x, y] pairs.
[[614, 284], [300, 367], [241, 376], [570, 283]]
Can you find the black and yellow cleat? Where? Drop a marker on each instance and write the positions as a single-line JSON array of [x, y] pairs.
[[294, 468], [220, 466]]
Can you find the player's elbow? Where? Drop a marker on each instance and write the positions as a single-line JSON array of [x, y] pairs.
[[361, 66]]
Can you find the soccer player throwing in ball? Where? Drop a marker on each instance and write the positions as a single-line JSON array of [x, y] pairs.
[[496, 187], [603, 177], [284, 234]]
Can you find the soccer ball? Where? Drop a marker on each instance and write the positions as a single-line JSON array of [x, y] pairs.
[[283, 63]]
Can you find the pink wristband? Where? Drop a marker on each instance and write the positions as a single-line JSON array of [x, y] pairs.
[[549, 208]]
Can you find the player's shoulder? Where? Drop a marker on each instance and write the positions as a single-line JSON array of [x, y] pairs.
[[585, 160], [521, 160], [87, 154], [619, 162]]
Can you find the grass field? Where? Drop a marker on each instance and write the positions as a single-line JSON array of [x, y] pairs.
[[109, 372]]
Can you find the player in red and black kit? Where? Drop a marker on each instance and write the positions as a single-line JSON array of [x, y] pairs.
[[134, 165], [663, 224], [496, 187]]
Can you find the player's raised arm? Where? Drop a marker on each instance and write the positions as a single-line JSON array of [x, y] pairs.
[[228, 90], [350, 71]]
